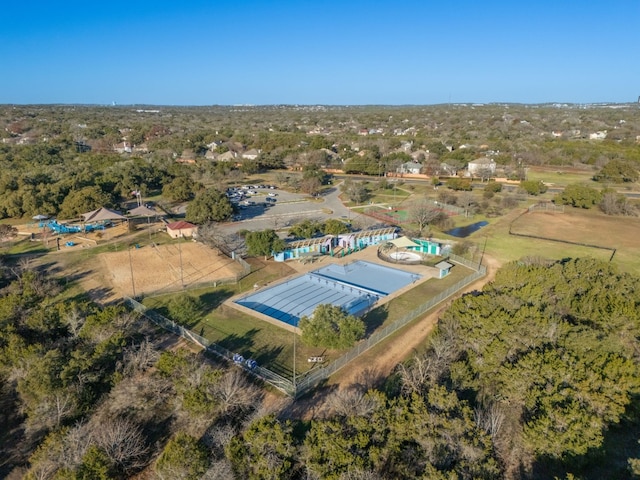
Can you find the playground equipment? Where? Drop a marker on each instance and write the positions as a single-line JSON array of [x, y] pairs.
[[56, 227]]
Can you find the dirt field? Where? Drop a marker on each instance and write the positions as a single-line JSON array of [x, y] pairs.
[[164, 267]]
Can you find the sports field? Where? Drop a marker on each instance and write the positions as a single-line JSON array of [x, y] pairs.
[[165, 267]]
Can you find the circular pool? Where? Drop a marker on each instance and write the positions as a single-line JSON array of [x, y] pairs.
[[405, 256]]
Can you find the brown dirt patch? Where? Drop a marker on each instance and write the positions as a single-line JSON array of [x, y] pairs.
[[165, 267], [106, 277]]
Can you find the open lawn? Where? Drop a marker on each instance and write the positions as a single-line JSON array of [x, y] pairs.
[[562, 176], [574, 225]]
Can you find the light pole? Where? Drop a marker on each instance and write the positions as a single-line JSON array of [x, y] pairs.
[[133, 285], [180, 255], [295, 388]]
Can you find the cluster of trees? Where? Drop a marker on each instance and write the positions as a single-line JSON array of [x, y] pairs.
[[548, 352], [609, 201]]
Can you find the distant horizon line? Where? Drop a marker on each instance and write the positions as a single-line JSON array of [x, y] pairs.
[[344, 105]]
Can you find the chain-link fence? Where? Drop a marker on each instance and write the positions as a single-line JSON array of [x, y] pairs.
[[306, 382]]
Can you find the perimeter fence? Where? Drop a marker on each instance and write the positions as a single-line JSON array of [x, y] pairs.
[[299, 386]]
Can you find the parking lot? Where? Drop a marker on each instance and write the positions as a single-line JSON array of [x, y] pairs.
[[273, 208]]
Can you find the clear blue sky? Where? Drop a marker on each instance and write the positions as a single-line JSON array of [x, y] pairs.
[[340, 52]]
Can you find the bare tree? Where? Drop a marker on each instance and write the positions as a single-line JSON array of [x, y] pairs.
[[74, 320], [422, 213], [211, 235], [139, 357], [122, 441], [352, 401], [219, 470], [489, 418], [466, 200], [235, 393], [417, 376]]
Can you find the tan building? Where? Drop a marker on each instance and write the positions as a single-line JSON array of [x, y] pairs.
[[182, 229]]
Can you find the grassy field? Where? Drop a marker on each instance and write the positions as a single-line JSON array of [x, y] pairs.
[[574, 225], [562, 177], [272, 346]]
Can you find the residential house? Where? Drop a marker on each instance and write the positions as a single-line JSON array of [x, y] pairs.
[[227, 156], [480, 167], [251, 154], [598, 135], [410, 167]]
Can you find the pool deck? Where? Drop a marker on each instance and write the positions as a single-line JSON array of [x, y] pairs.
[[369, 254]]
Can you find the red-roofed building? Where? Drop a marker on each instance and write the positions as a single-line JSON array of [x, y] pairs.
[[182, 229]]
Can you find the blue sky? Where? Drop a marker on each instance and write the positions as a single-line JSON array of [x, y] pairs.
[[336, 52]]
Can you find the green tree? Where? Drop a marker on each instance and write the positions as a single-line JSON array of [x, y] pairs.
[[263, 242], [459, 184], [95, 465], [182, 458], [180, 189], [307, 228], [209, 206], [84, 200], [334, 226], [330, 326], [580, 196], [185, 309], [264, 451], [617, 171]]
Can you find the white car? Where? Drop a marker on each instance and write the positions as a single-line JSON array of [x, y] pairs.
[[271, 194]]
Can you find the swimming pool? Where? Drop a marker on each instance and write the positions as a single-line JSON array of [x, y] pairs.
[[355, 287]]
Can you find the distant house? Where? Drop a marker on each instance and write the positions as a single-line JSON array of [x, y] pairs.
[[227, 156], [123, 147], [188, 156], [480, 166], [410, 167], [447, 170], [211, 155], [251, 154], [182, 229], [598, 135], [142, 148]]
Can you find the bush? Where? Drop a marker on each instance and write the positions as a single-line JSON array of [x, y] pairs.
[[493, 187], [533, 187]]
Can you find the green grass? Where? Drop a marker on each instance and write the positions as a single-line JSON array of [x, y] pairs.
[[560, 178], [272, 346]]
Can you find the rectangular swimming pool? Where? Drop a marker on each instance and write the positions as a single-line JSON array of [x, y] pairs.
[[355, 287]]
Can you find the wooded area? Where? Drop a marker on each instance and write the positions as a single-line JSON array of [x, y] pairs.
[[536, 376]]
